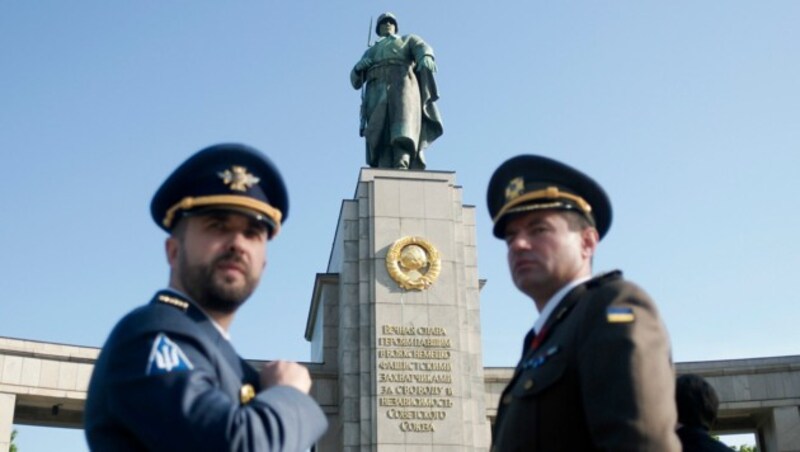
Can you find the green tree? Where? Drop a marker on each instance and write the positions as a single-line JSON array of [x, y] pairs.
[[746, 448], [13, 447]]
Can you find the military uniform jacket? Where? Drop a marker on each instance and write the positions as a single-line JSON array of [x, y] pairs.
[[697, 439], [599, 377], [166, 379]]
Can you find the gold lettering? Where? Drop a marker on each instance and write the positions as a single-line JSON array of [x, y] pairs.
[[390, 330], [430, 354], [395, 365], [421, 415], [414, 342], [431, 331], [417, 375], [417, 427], [418, 390], [433, 367], [421, 402]]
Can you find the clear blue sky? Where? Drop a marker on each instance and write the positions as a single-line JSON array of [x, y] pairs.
[[687, 112]]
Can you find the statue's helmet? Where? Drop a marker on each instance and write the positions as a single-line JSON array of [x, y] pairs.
[[384, 18]]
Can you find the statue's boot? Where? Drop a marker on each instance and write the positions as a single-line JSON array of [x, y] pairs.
[[402, 158]]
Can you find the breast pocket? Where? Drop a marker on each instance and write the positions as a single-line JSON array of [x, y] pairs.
[[540, 372]]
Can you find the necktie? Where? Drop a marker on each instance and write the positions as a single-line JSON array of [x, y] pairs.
[[529, 338]]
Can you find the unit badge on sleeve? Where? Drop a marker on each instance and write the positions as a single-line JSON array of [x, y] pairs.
[[166, 356]]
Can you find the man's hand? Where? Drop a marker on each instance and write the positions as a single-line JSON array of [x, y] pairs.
[[363, 64], [427, 62], [285, 373]]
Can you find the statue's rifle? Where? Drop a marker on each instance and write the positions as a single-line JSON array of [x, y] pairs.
[[363, 124]]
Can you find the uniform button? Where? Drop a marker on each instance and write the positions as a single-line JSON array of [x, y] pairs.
[[528, 384], [246, 393], [507, 399]]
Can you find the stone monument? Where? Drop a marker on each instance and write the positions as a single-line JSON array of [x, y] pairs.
[[396, 318]]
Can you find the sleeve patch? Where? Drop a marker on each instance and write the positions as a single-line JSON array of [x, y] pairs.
[[619, 315], [166, 356]]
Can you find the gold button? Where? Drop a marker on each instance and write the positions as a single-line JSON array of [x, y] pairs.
[[528, 384], [247, 393], [507, 399]]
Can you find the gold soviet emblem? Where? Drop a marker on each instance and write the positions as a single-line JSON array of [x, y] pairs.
[[247, 393], [515, 188], [413, 263], [238, 178]]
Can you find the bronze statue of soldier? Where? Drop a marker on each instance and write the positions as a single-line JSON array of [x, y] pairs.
[[399, 117]]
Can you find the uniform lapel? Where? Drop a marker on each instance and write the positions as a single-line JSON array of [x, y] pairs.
[[560, 313]]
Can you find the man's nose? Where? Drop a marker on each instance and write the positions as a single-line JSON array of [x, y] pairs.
[[518, 242], [236, 241]]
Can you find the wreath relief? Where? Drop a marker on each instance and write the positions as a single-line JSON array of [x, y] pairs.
[[413, 263]]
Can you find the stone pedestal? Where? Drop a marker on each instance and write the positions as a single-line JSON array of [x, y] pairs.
[[408, 361]]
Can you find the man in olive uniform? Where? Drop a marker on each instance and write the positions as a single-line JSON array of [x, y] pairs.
[[595, 371], [399, 117], [167, 377]]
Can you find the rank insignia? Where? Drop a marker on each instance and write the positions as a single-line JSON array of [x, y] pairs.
[[537, 361], [237, 178], [619, 315], [172, 301], [247, 393], [515, 188], [166, 356]]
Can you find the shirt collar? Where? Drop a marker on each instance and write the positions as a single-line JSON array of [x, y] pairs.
[[551, 304]]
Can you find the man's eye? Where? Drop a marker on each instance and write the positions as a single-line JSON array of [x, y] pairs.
[[537, 229], [254, 233], [216, 225]]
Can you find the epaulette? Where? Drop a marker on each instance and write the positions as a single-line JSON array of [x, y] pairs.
[[603, 278], [173, 301]]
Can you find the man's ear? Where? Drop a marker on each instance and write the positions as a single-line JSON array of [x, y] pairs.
[[172, 247], [589, 240]]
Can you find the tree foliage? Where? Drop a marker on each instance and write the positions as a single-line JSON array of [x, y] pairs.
[[13, 447], [745, 448]]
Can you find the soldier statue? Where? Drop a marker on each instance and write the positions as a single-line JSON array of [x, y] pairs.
[[399, 118]]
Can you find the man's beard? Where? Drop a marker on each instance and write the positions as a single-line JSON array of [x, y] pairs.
[[200, 283]]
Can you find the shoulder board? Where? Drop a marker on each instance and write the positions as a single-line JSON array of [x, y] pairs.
[[603, 278], [173, 301]]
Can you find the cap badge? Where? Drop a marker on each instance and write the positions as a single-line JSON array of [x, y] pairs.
[[515, 188], [237, 178]]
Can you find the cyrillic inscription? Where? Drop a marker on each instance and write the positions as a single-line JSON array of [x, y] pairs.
[[415, 375]]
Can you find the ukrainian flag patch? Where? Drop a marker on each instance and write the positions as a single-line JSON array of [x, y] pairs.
[[166, 356], [619, 315]]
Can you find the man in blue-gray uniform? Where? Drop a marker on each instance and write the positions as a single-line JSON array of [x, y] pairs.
[[595, 371], [167, 377]]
